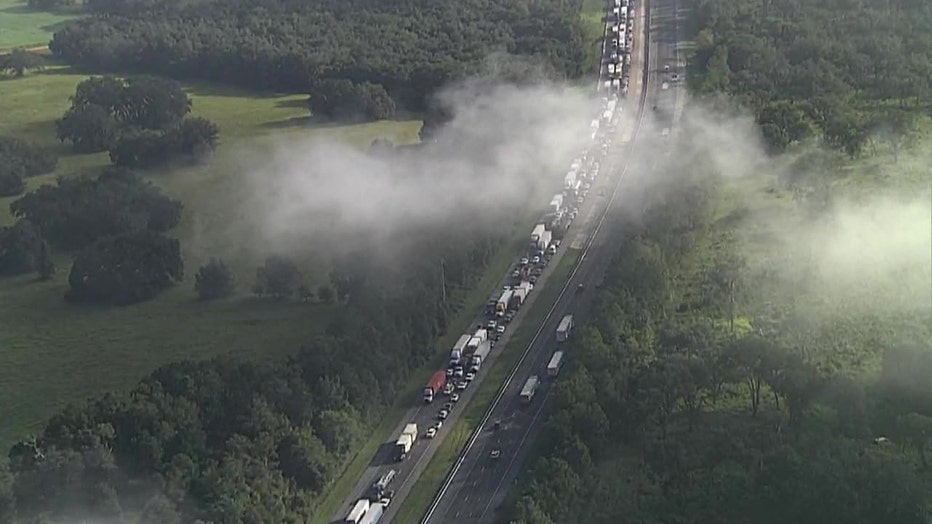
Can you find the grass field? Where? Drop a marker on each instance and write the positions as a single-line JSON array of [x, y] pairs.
[[21, 26], [423, 492], [52, 353]]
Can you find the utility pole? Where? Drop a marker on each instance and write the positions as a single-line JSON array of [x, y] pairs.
[[443, 283]]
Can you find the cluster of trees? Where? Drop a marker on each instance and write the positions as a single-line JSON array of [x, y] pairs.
[[341, 99], [141, 121], [816, 68], [19, 60], [671, 409], [231, 441], [20, 160], [114, 223], [402, 48]]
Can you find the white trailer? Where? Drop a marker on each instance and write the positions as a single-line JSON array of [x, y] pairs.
[[556, 362], [503, 302], [538, 229], [546, 238], [373, 515], [358, 512], [565, 327], [461, 342], [568, 181], [474, 343], [480, 355], [530, 387], [482, 334]]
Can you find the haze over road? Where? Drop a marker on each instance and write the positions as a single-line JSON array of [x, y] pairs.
[[480, 484]]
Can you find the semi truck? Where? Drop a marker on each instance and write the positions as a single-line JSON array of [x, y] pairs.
[[530, 387], [556, 362], [482, 334], [373, 515], [568, 180], [565, 327], [405, 441], [546, 237], [434, 385], [378, 487], [503, 302], [535, 233], [517, 297], [358, 512], [556, 203], [482, 352]]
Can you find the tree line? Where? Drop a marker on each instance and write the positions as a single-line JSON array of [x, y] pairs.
[[845, 72], [697, 395], [403, 49], [228, 440]]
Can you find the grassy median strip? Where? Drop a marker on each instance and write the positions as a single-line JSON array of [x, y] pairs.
[[423, 492]]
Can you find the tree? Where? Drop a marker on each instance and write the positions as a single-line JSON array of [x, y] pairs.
[[278, 277], [90, 128], [214, 280], [80, 210], [125, 269], [342, 99], [196, 137], [151, 102], [141, 148], [23, 250], [18, 61], [20, 160]]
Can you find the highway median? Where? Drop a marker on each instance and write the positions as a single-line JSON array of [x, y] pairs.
[[431, 480]]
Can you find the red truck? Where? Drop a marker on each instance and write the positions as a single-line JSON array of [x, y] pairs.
[[434, 385]]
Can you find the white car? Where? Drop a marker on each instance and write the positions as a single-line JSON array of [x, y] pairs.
[[499, 329], [523, 261], [443, 414], [455, 397], [431, 432], [536, 260], [470, 376], [437, 425]]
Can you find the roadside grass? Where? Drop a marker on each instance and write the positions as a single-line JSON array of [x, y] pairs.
[[53, 353], [592, 18], [430, 481], [21, 26]]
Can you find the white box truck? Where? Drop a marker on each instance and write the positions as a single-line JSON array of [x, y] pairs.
[[529, 389], [556, 362], [358, 512], [565, 327]]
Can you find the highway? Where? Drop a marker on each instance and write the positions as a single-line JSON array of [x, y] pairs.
[[478, 484], [424, 415]]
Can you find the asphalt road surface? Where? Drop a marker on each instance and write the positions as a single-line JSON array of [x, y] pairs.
[[479, 483], [424, 415]]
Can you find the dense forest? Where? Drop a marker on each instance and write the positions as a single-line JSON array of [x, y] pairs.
[[726, 376], [842, 70], [408, 47]]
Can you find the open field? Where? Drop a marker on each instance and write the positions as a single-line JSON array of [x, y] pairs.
[[421, 495], [52, 353], [21, 26]]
